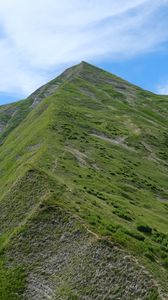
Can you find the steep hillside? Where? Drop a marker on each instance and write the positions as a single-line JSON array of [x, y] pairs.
[[84, 194]]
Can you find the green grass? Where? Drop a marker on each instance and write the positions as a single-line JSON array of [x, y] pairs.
[[116, 189], [12, 282]]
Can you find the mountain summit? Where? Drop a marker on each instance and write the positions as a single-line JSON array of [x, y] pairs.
[[84, 199]]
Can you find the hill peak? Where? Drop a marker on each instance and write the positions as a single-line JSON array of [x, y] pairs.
[[89, 73], [83, 63], [83, 69]]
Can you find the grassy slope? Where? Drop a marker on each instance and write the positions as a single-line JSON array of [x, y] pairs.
[[96, 147], [11, 115]]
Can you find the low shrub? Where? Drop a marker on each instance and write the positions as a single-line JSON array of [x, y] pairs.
[[144, 228]]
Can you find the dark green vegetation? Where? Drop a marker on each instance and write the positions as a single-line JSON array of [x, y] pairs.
[[88, 151]]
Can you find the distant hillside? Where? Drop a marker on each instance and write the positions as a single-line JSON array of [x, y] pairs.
[[84, 191]]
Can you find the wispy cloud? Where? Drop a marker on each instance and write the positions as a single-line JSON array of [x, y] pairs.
[[37, 37], [162, 89]]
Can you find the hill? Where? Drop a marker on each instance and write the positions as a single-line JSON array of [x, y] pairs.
[[84, 198]]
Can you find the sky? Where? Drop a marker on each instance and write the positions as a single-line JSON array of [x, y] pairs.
[[40, 38]]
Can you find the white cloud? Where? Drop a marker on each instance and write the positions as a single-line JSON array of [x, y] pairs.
[[39, 36], [162, 89]]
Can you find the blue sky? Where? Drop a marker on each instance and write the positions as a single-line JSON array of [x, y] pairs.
[[39, 39]]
